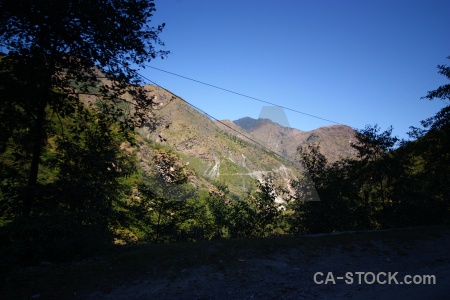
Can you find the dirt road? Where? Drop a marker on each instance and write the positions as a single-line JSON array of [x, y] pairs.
[[373, 265], [287, 271]]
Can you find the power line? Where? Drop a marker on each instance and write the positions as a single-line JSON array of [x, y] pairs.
[[246, 96], [306, 172], [217, 120]]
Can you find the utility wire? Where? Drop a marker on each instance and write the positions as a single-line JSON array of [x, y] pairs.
[[305, 169], [444, 101], [217, 120], [246, 96]]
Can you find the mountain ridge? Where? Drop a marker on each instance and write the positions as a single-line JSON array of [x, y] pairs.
[[215, 154], [335, 140], [236, 153]]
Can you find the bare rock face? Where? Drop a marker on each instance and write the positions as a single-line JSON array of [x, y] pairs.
[[334, 140], [236, 153]]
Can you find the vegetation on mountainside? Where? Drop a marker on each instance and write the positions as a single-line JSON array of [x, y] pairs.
[[335, 140], [386, 186], [75, 176], [63, 175], [212, 153]]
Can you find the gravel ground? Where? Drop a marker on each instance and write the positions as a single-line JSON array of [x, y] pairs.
[[288, 273]]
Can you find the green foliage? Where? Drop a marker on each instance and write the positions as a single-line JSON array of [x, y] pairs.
[[354, 194], [265, 208], [372, 145], [442, 92], [68, 79], [220, 210], [167, 207], [256, 215], [314, 161], [56, 53], [385, 187], [159, 208], [68, 180], [170, 168], [337, 209]]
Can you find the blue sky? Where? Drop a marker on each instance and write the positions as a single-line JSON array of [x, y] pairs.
[[353, 62]]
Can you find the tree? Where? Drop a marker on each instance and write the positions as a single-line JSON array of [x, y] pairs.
[[57, 51], [430, 151], [442, 92], [337, 207], [376, 169], [372, 144], [266, 209], [440, 121], [314, 161]]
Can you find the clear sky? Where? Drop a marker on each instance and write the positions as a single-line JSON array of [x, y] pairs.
[[354, 62]]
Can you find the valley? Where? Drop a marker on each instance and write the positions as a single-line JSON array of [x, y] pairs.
[[236, 153]]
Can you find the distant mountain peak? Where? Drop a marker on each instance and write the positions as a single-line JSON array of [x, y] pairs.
[[334, 139], [250, 124], [246, 123], [276, 114]]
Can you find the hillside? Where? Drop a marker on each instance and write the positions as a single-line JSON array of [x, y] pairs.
[[220, 152], [334, 140], [213, 153]]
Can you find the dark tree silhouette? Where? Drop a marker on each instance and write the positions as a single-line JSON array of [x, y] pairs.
[[58, 50], [371, 144], [442, 92]]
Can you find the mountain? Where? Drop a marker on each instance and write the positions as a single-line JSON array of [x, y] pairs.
[[214, 154], [334, 140], [221, 151]]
